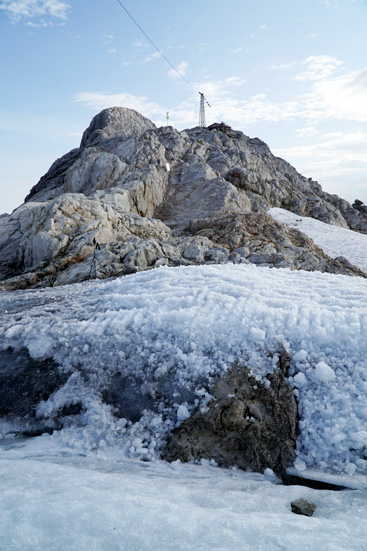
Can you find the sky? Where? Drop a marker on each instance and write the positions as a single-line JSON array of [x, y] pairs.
[[292, 72]]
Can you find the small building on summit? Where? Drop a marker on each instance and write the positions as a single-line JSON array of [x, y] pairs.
[[222, 127]]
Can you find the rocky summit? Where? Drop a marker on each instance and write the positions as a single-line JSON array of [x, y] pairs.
[[134, 197]]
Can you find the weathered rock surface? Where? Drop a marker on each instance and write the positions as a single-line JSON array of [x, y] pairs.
[[155, 196], [303, 507], [249, 423]]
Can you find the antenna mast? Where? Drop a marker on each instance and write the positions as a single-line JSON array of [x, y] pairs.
[[202, 122]]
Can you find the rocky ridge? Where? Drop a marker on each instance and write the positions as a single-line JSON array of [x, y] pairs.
[[134, 196]]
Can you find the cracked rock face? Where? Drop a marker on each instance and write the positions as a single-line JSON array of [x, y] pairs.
[[156, 196], [250, 424]]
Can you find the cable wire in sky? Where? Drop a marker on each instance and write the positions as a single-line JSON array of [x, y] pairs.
[[161, 53]]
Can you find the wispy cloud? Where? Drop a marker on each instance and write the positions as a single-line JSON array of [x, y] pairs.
[[342, 98], [140, 45], [328, 94], [152, 57], [43, 23], [311, 36], [182, 69], [29, 9], [328, 99], [333, 159], [307, 131], [101, 100], [318, 67], [339, 4], [283, 66]]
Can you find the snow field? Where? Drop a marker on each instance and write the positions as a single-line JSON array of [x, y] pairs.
[[178, 328], [89, 505]]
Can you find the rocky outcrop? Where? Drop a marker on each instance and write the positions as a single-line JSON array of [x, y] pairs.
[[154, 196], [249, 423]]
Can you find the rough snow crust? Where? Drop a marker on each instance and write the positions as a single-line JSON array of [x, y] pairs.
[[193, 323], [333, 240]]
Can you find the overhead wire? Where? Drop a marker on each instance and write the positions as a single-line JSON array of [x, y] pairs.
[[161, 53]]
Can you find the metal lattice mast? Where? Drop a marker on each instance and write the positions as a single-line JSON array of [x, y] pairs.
[[202, 111]]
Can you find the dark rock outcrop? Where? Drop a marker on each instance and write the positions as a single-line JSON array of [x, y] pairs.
[[24, 383], [248, 423]]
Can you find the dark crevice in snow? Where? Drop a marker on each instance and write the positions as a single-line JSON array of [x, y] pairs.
[[293, 480]]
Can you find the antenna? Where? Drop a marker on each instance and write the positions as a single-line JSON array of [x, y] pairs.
[[202, 122]]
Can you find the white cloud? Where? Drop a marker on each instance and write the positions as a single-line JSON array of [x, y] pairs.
[[333, 99], [24, 9], [341, 98], [181, 69], [140, 44], [112, 51], [283, 66], [102, 100], [329, 4], [318, 67], [152, 57], [338, 4], [335, 160], [42, 23], [306, 131]]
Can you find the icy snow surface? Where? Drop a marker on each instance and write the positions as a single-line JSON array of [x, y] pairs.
[[84, 504], [333, 240], [176, 328]]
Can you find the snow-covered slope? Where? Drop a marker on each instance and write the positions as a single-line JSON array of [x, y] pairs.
[[333, 240]]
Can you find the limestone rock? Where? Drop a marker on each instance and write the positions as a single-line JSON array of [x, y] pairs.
[[188, 197], [115, 122], [303, 507], [52, 183], [259, 239], [60, 233], [249, 423]]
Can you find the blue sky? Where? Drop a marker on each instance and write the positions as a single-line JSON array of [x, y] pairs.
[[292, 72]]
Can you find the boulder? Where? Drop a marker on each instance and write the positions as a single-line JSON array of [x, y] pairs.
[[303, 507]]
